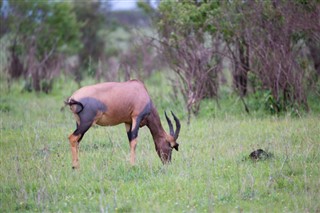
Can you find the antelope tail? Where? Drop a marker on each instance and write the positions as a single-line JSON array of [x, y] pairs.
[[71, 102]]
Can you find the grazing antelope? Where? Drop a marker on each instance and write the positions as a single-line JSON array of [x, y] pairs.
[[112, 103]]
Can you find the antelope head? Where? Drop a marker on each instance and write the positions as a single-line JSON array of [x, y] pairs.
[[165, 149]]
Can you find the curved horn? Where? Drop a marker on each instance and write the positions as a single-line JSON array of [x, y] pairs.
[[178, 126], [170, 125]]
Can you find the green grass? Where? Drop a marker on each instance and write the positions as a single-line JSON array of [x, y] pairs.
[[211, 171]]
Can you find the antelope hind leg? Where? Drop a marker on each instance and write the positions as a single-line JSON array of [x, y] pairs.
[[74, 144]]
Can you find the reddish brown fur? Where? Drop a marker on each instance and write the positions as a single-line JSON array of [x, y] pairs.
[[123, 100], [124, 103]]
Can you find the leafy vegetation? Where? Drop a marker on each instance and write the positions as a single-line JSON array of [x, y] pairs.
[[39, 34], [254, 48], [263, 42], [211, 171]]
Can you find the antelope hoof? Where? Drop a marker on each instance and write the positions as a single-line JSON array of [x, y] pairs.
[[75, 166], [132, 162]]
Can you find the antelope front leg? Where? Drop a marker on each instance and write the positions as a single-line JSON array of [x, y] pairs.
[[133, 145], [132, 136], [74, 144]]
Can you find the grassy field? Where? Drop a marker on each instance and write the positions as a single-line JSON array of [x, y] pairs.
[[210, 173]]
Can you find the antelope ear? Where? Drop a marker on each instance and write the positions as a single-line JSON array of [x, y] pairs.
[[176, 147]]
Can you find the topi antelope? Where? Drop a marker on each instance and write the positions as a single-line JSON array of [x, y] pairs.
[[112, 103]]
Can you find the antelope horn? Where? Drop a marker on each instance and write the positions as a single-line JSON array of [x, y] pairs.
[[178, 126], [170, 125]]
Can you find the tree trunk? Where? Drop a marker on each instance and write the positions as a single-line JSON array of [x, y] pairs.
[[314, 48], [240, 76]]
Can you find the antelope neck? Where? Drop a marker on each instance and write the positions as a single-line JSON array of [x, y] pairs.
[[155, 126]]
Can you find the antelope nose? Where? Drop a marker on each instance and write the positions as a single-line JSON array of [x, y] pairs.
[[176, 146]]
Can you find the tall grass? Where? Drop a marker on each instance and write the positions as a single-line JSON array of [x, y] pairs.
[[211, 171]]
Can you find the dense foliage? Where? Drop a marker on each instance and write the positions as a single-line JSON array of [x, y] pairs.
[[265, 52], [40, 33], [266, 42]]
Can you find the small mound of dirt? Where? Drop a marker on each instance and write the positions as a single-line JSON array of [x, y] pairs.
[[259, 154]]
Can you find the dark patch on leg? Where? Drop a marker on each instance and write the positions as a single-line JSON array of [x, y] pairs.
[[82, 129], [86, 120], [129, 133], [91, 107], [133, 133]]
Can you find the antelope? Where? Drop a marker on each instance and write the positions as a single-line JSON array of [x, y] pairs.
[[113, 103]]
